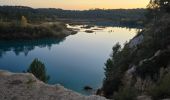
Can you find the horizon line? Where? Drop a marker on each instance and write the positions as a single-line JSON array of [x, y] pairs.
[[74, 9]]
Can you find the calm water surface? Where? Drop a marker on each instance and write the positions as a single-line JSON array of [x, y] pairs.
[[74, 62]]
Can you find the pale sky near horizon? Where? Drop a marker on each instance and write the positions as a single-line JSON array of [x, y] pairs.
[[78, 4]]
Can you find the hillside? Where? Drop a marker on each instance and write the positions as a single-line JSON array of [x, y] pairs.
[[124, 17], [142, 66]]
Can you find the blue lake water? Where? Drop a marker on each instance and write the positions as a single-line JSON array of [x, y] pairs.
[[74, 62]]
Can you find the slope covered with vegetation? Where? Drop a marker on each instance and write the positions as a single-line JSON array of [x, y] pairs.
[[142, 66]]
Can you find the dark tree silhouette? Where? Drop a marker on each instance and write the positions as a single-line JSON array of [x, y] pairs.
[[38, 69]]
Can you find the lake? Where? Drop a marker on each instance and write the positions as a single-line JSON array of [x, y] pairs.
[[74, 62]]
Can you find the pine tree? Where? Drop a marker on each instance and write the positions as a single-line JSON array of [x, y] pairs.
[[38, 69]]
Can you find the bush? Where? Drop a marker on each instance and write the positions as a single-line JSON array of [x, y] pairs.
[[162, 89], [126, 93], [14, 30], [152, 67], [38, 69], [115, 68], [110, 86], [148, 68]]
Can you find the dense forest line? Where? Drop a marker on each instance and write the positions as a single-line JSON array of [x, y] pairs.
[[141, 69], [117, 16]]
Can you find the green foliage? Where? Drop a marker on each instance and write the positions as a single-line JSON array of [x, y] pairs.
[[157, 8], [156, 37], [38, 69], [127, 17], [15, 30], [126, 93], [151, 68], [162, 89], [148, 68], [111, 85], [23, 21], [112, 75], [116, 49], [114, 69], [159, 4]]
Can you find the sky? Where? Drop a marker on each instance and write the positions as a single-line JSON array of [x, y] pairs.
[[78, 4]]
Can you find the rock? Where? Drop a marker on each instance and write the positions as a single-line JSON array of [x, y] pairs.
[[16, 82], [89, 31], [144, 97], [142, 61], [88, 88], [24, 86], [87, 26], [102, 26], [131, 70], [157, 53], [135, 41], [97, 29], [143, 85], [128, 77]]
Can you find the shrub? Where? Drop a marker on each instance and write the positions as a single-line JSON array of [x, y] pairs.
[[126, 93], [152, 67], [110, 86], [38, 69], [162, 89]]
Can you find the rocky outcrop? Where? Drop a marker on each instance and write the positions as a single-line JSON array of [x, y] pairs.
[[128, 77], [143, 85], [24, 86], [136, 41], [144, 97]]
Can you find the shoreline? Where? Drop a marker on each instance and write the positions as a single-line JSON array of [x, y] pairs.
[[24, 86], [14, 31]]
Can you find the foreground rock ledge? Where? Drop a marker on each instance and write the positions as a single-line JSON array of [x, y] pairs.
[[24, 86]]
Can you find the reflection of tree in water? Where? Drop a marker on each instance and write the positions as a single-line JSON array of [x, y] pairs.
[[25, 46]]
